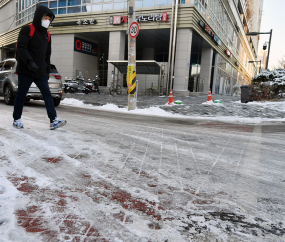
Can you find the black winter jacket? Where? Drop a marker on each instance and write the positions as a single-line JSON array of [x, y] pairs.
[[37, 48]]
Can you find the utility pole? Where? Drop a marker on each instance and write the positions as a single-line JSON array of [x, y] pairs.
[[133, 30], [269, 44]]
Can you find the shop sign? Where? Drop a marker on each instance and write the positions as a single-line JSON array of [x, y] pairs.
[[86, 22], [78, 22], [140, 18], [210, 32], [228, 53], [86, 47]]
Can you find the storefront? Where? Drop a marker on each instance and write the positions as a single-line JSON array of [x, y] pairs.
[[206, 55]]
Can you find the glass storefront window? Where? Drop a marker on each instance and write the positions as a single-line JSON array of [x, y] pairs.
[[62, 11], [97, 7], [107, 6], [86, 1], [96, 1], [74, 2], [74, 10], [61, 3], [53, 4], [147, 3], [119, 6], [160, 2]]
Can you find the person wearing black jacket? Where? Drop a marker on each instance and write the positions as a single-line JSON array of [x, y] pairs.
[[33, 65]]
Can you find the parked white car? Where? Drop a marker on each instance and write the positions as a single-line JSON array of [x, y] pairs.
[[9, 83]]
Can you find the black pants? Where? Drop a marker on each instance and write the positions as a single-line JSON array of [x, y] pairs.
[[24, 83]]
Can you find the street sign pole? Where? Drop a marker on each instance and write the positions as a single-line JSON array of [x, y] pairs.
[[133, 30]]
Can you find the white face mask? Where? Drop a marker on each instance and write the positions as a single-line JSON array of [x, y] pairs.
[[45, 23]]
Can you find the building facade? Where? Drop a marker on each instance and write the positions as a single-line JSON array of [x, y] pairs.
[[211, 46]]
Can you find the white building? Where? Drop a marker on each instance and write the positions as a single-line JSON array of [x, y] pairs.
[[212, 49]]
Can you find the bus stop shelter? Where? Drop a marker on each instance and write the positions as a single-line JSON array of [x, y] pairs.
[[142, 67]]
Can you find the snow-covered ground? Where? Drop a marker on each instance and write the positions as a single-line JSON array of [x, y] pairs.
[[116, 177], [158, 111]]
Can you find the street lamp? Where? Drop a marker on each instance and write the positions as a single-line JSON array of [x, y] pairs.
[[264, 46], [259, 64]]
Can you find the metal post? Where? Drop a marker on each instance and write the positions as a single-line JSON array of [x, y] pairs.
[[173, 46], [131, 72], [169, 51], [259, 66], [2, 53], [159, 81], [267, 61]]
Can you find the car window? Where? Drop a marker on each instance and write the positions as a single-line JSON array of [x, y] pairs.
[[9, 65], [1, 66], [53, 69]]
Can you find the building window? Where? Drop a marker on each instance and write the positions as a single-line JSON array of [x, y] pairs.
[[86, 8], [44, 4], [138, 4], [53, 4], [147, 3], [74, 10], [97, 7], [74, 2], [119, 5], [54, 11], [107, 6], [160, 2], [62, 3], [62, 11]]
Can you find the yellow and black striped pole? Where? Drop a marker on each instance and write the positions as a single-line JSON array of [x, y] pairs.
[[131, 72]]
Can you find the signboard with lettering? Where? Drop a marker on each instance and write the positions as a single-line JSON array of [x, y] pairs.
[[210, 32], [86, 47], [140, 18], [228, 53], [90, 21]]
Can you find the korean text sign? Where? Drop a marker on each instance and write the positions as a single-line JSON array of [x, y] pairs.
[[86, 47]]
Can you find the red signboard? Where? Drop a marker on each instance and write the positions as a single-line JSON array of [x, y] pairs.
[[229, 54], [164, 16]]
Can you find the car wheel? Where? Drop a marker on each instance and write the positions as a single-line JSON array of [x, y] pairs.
[[56, 102], [8, 95]]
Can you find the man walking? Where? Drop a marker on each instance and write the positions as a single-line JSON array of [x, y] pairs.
[[33, 65]]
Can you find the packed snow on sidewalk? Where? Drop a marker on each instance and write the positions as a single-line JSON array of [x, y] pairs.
[[97, 180], [252, 112]]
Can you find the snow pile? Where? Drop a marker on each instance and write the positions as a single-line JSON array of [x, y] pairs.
[[9, 231], [152, 111], [274, 77]]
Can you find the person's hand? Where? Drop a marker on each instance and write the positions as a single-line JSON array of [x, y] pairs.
[[33, 66]]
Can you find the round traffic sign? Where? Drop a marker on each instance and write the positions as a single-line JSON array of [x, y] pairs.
[[134, 30]]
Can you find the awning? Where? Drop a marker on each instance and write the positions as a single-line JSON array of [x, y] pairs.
[[142, 66]]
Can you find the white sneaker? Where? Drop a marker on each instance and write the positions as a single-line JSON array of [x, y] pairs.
[[18, 124], [57, 123]]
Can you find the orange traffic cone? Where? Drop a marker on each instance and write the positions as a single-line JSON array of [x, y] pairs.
[[209, 96], [209, 99], [170, 99]]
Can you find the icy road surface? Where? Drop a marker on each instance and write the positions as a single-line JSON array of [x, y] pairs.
[[109, 176]]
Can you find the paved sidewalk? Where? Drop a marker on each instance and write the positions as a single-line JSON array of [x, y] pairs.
[[191, 106]]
